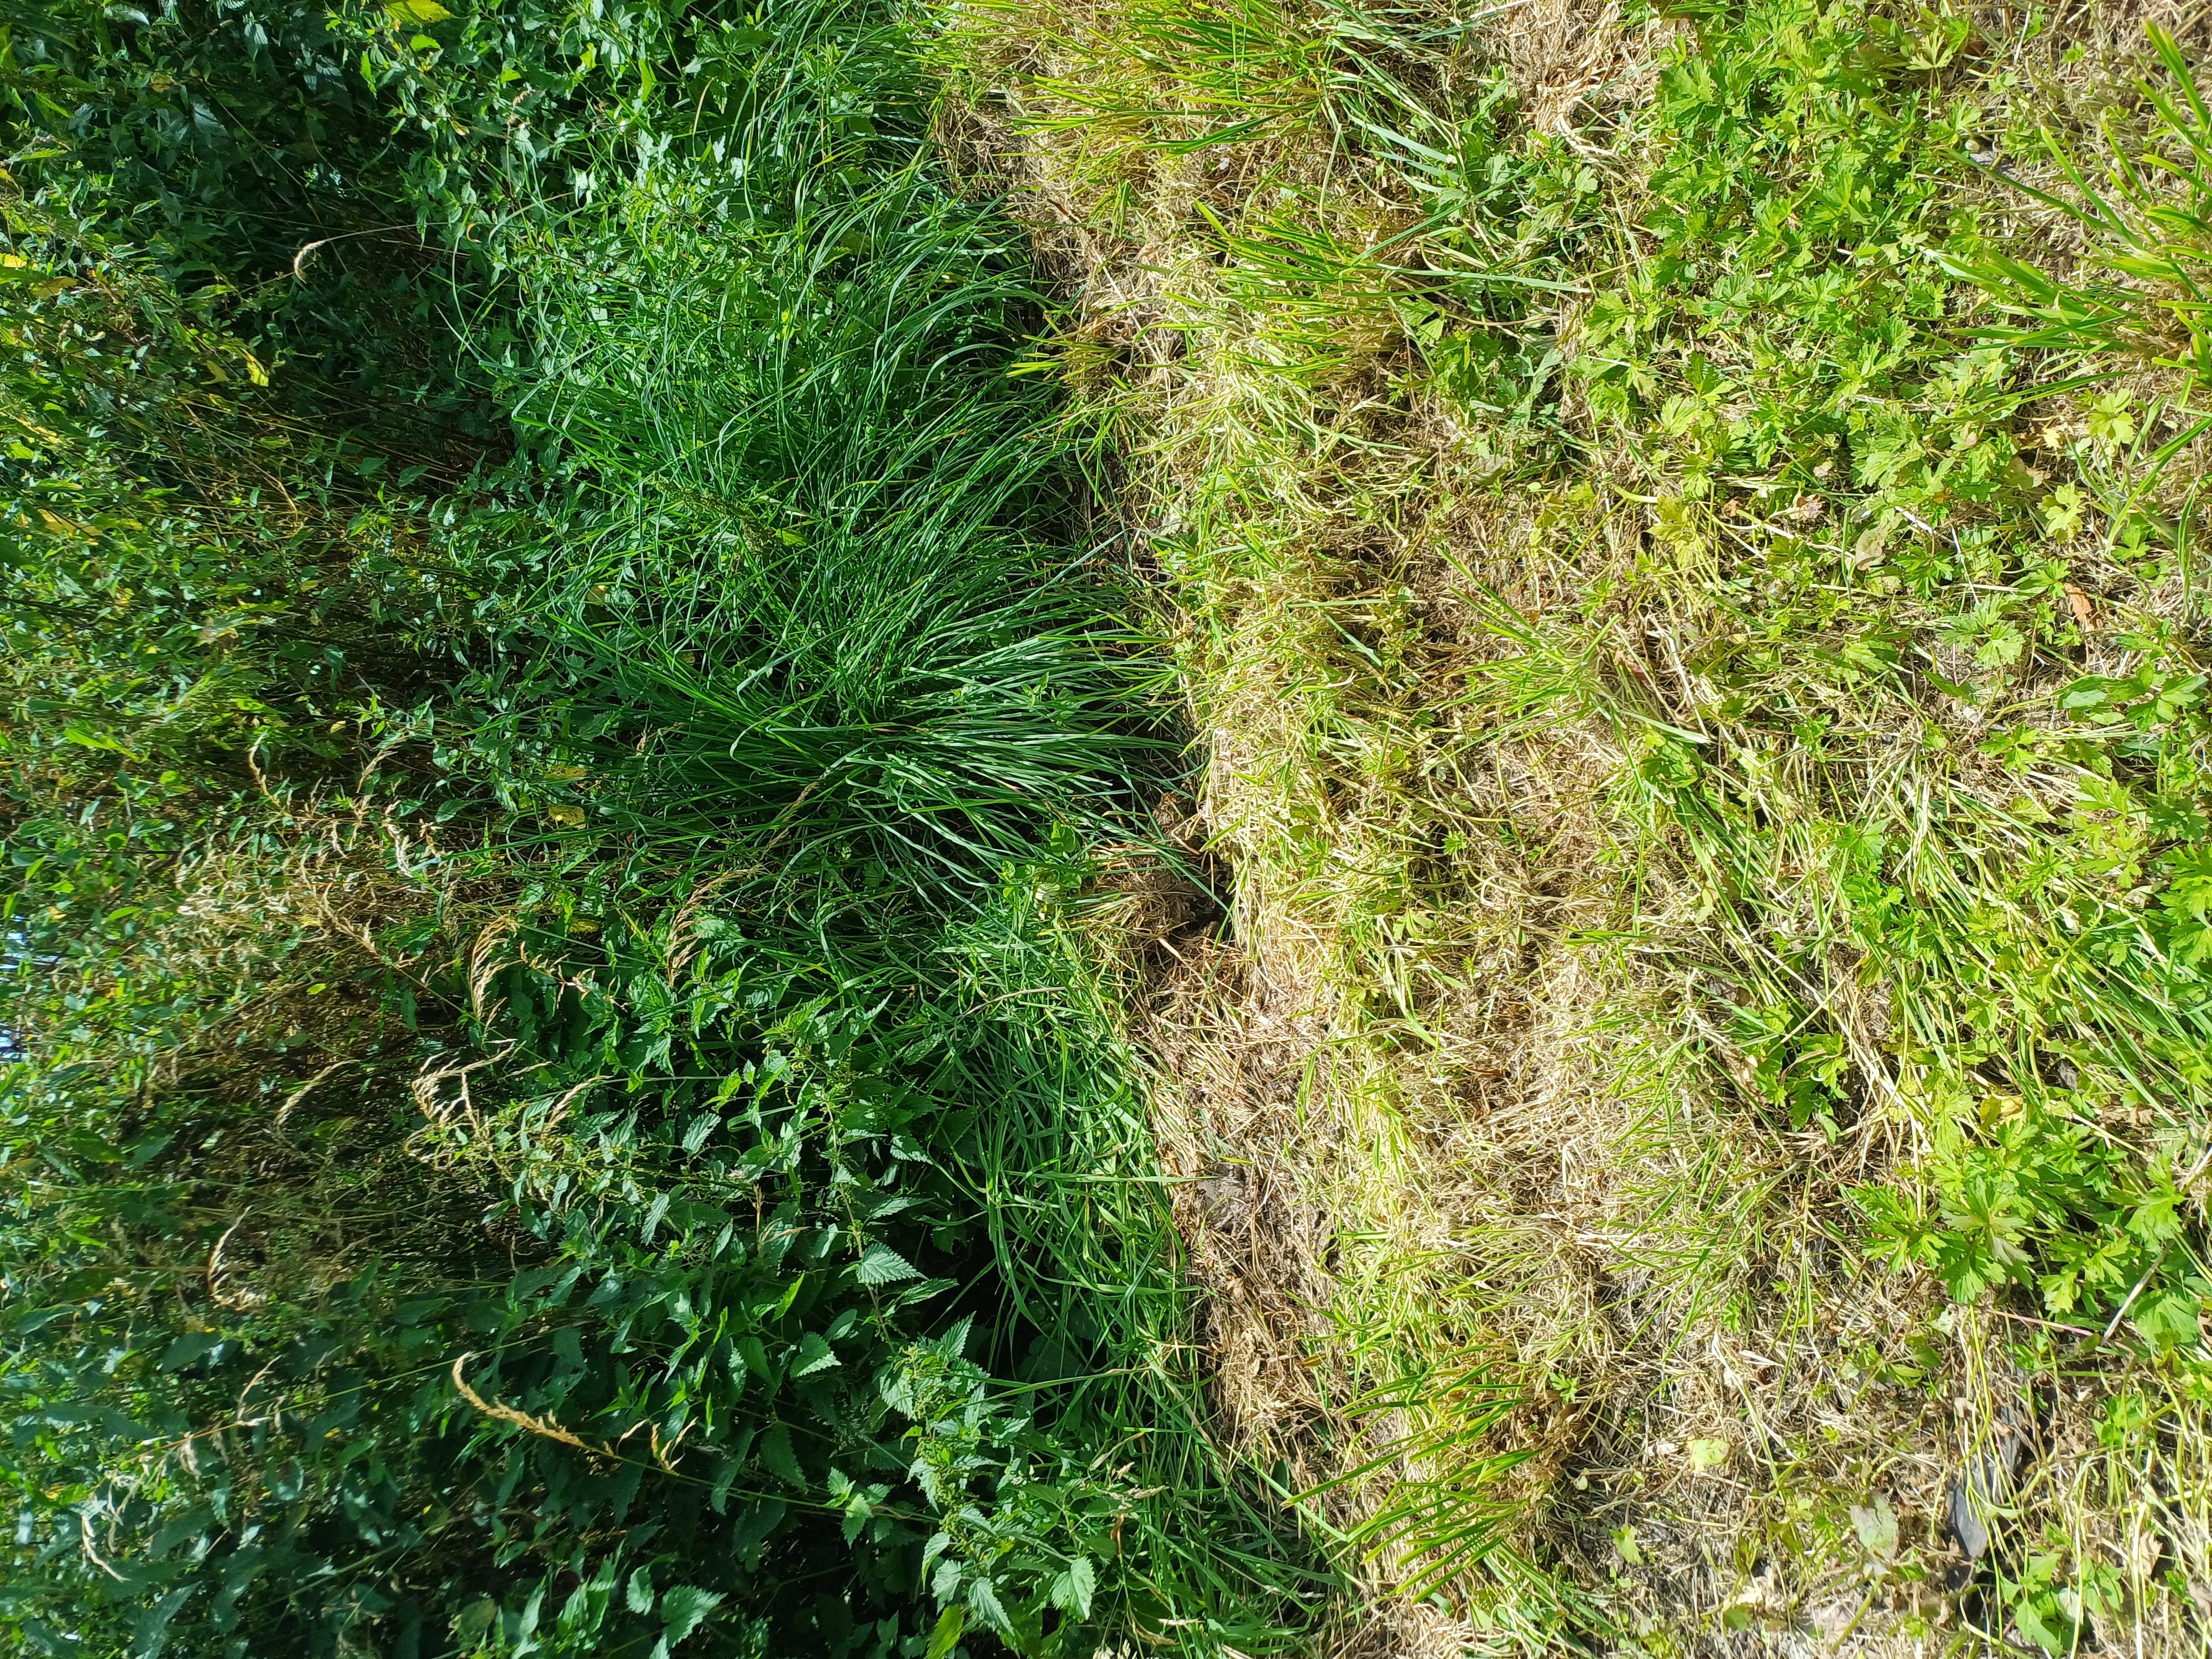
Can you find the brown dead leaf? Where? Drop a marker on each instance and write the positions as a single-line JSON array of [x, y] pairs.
[[2084, 612]]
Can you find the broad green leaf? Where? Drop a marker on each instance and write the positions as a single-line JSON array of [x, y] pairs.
[[983, 1601], [776, 1453], [815, 1355], [882, 1265], [190, 1349], [684, 1608], [1073, 1590], [950, 1624]]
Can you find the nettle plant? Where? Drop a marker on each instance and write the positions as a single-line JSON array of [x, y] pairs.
[[682, 1378], [743, 1179], [551, 1233]]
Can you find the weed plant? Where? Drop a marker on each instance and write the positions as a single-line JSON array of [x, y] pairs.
[[1689, 586], [668, 1177]]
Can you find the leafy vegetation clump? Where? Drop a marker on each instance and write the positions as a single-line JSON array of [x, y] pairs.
[[562, 1094], [608, 1047]]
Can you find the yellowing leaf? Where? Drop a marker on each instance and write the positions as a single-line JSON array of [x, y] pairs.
[[403, 13], [1876, 1526], [1706, 1455]]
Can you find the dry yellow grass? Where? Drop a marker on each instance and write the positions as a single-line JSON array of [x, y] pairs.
[[1450, 1094]]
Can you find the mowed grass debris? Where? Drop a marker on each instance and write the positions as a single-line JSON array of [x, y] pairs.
[[1682, 540]]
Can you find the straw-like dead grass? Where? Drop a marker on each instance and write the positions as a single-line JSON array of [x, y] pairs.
[[1513, 1269]]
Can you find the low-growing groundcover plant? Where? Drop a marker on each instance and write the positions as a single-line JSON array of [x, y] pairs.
[[1687, 530], [561, 1097]]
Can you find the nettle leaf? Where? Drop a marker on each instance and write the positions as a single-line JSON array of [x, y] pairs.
[[776, 1453], [815, 1355], [684, 1608], [945, 1581], [882, 1265], [983, 1601], [1073, 1590]]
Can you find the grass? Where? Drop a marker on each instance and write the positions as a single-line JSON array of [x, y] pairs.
[[818, 582], [839, 676], [840, 681], [1688, 587], [681, 1179], [1677, 541]]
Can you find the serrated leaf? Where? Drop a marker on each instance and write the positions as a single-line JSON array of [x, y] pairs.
[[684, 1608], [1073, 1590], [882, 1265], [983, 1601], [815, 1355], [776, 1453], [945, 1582], [858, 1513]]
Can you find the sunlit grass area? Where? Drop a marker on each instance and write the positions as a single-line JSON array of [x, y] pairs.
[[1682, 537], [1226, 828]]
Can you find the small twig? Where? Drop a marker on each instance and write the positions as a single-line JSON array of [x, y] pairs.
[[300, 259], [2131, 1301], [2048, 1324]]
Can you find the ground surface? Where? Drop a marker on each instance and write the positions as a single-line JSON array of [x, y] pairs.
[[1693, 1128]]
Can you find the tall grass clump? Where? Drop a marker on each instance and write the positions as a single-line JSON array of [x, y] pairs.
[[795, 553], [676, 1181]]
